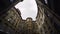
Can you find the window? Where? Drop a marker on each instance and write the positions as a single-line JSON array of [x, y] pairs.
[[48, 27], [44, 27], [41, 30], [51, 32], [41, 19], [46, 22], [45, 32]]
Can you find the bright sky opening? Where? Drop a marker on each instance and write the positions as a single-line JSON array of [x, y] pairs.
[[28, 8]]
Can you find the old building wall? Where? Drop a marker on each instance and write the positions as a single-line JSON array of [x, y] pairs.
[[10, 20], [43, 17]]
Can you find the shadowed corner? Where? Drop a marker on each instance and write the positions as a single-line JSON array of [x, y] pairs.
[[1, 32]]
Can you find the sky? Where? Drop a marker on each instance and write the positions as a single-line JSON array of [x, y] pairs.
[[28, 8]]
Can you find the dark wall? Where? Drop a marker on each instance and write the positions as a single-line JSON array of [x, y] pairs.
[[57, 6], [2, 32], [54, 5], [51, 4]]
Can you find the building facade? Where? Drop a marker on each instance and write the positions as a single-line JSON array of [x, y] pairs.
[[47, 20], [10, 21], [28, 26]]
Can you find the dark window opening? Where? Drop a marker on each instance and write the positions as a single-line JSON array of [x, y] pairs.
[[45, 32], [51, 32], [48, 27], [44, 27], [41, 31]]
